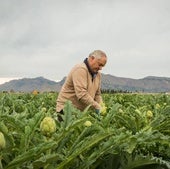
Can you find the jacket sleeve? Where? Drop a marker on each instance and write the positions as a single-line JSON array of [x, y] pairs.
[[98, 97], [80, 81]]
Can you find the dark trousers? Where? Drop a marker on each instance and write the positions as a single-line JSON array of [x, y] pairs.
[[59, 115]]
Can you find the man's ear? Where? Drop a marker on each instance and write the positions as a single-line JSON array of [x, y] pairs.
[[92, 57]]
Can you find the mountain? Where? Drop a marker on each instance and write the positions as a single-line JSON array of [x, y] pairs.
[[147, 84], [30, 84], [109, 82]]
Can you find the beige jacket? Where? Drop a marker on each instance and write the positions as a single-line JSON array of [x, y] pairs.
[[80, 89]]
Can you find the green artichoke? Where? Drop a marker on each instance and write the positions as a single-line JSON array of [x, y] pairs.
[[2, 141], [48, 126]]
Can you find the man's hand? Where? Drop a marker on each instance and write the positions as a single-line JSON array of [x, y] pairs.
[[97, 111], [102, 110]]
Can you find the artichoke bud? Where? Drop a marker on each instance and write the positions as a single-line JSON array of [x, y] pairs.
[[103, 108], [2, 141], [43, 109], [48, 126], [87, 123], [149, 114]]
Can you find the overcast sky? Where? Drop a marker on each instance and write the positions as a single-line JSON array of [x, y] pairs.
[[48, 37]]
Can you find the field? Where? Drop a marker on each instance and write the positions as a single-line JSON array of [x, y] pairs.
[[133, 134]]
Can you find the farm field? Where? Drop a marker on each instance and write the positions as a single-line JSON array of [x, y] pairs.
[[134, 133]]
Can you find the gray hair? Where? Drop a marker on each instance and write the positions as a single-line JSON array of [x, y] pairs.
[[97, 54]]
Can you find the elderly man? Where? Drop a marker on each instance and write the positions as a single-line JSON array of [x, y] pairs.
[[82, 85]]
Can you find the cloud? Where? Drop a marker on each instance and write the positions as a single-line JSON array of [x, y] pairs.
[[46, 38]]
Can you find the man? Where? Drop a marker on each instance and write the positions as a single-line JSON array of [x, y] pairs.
[[82, 85]]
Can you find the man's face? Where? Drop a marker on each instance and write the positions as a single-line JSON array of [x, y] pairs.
[[97, 64]]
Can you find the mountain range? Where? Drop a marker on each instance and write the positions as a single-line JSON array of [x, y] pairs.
[[109, 82]]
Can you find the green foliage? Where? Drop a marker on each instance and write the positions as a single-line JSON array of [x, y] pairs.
[[125, 138]]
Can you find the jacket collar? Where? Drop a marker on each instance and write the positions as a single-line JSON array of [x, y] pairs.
[[89, 69]]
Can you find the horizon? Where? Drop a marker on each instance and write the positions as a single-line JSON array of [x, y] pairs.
[[8, 79]]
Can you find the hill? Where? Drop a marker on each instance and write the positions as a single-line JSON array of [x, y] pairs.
[[30, 84], [109, 82], [147, 84]]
